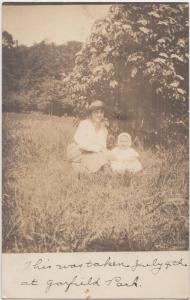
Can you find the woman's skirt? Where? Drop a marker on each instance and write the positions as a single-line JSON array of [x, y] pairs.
[[85, 161]]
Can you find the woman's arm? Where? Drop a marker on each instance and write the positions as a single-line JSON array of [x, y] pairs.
[[111, 155]]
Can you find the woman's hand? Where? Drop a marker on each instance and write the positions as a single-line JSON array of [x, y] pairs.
[[109, 155]]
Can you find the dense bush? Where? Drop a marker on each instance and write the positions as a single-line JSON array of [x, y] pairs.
[[136, 61], [33, 76]]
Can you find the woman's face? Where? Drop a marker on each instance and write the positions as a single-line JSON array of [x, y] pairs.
[[97, 116]]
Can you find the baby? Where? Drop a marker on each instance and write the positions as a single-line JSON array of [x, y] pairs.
[[124, 157]]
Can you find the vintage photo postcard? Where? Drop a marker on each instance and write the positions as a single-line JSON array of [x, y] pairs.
[[95, 150]]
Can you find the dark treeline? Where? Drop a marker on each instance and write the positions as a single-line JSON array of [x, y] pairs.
[[135, 60], [33, 77]]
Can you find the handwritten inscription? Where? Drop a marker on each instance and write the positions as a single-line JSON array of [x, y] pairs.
[[116, 281], [70, 274], [155, 266]]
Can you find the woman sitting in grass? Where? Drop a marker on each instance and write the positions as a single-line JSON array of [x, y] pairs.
[[89, 153]]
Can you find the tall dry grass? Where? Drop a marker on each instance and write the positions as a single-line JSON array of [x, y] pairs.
[[47, 208]]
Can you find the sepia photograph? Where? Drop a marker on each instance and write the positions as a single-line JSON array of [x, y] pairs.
[[95, 127]]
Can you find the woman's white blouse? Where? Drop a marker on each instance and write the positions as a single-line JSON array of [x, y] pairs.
[[90, 139]]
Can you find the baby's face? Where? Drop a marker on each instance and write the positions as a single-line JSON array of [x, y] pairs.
[[124, 143]]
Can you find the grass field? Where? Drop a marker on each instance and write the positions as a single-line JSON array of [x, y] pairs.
[[47, 208]]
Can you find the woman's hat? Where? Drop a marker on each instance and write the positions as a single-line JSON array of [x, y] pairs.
[[96, 105]]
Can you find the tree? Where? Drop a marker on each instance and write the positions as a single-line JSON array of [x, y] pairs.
[[33, 76], [136, 59], [7, 40], [9, 80]]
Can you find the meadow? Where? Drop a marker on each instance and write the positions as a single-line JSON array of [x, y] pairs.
[[47, 208]]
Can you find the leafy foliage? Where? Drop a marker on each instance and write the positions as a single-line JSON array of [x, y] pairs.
[[33, 76], [136, 59]]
